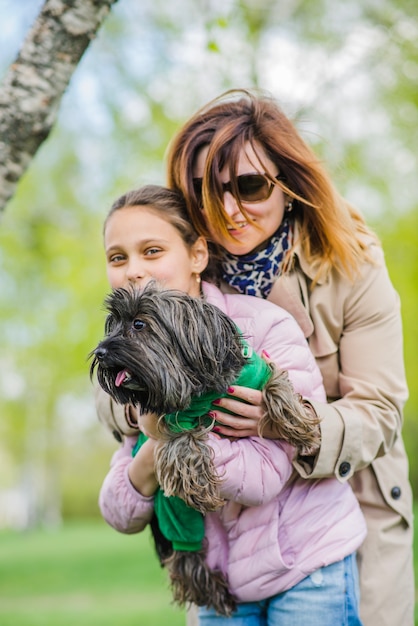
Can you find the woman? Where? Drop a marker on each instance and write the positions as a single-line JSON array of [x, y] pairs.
[[282, 232]]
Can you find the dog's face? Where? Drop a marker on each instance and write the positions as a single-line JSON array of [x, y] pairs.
[[163, 347]]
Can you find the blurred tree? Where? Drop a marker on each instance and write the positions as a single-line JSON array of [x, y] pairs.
[[32, 89]]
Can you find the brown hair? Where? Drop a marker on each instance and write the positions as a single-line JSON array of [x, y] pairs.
[[332, 233], [167, 203]]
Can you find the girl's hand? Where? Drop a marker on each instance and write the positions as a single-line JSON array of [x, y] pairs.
[[148, 423], [141, 469]]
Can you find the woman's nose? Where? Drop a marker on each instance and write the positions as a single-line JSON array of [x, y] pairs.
[[231, 205]]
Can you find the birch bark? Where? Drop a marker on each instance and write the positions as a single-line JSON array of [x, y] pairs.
[[32, 89]]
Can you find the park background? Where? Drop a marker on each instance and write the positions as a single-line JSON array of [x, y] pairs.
[[347, 73]]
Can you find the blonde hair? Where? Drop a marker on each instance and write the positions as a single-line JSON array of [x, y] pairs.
[[333, 234]]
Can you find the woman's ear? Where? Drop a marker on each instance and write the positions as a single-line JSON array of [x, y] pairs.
[[200, 255], [288, 203]]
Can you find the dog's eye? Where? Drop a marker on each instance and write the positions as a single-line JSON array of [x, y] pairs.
[[138, 324]]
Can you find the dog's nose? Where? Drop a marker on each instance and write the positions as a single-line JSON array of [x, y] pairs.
[[100, 353]]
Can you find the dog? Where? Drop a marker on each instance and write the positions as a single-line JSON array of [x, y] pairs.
[[171, 355]]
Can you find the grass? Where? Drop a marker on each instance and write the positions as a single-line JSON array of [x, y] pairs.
[[87, 574]]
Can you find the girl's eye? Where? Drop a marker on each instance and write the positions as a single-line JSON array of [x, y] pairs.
[[152, 251], [116, 258], [138, 324]]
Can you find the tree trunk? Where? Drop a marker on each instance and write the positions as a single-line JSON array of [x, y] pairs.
[[35, 83]]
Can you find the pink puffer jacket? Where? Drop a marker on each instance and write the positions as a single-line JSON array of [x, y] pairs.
[[276, 527]]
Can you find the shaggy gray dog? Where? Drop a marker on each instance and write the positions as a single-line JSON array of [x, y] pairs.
[[171, 355]]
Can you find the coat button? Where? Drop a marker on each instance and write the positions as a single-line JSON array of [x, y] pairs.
[[344, 468], [396, 493]]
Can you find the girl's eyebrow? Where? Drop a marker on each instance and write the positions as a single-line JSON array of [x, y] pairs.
[[113, 249], [142, 242]]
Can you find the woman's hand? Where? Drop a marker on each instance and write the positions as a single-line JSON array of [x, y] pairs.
[[246, 415]]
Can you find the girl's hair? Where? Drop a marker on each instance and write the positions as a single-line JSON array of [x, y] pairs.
[[332, 233], [167, 203]]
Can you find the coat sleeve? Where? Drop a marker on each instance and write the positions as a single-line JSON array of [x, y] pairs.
[[122, 507], [253, 470], [365, 420]]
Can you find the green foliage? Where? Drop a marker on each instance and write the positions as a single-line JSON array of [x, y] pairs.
[[400, 241], [53, 284]]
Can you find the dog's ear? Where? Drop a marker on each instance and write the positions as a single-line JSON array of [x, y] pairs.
[[225, 338], [184, 468]]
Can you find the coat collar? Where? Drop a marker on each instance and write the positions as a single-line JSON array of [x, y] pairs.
[[290, 291], [299, 258]]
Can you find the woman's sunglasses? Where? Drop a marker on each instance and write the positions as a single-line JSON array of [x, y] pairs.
[[251, 188]]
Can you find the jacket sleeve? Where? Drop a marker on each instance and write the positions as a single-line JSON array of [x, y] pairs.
[[253, 470], [286, 345], [364, 421], [122, 507]]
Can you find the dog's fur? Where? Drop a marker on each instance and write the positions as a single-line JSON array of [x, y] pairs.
[[162, 348]]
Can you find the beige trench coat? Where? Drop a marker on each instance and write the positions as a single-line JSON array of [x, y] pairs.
[[355, 332]]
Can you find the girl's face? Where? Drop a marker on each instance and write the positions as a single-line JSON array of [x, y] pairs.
[[268, 214], [141, 246]]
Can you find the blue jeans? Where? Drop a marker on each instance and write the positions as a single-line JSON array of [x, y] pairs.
[[328, 597]]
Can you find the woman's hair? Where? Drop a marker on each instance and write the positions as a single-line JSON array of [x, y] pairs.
[[332, 233]]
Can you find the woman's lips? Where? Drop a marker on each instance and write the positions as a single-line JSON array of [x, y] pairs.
[[237, 227]]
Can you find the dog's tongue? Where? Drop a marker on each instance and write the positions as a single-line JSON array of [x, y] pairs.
[[121, 377]]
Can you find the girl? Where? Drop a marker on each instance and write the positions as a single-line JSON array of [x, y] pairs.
[[257, 191], [286, 545]]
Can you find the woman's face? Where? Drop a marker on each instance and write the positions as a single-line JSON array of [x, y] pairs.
[[268, 214], [141, 246]]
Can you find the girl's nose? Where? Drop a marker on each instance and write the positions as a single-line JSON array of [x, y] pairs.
[[134, 272]]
